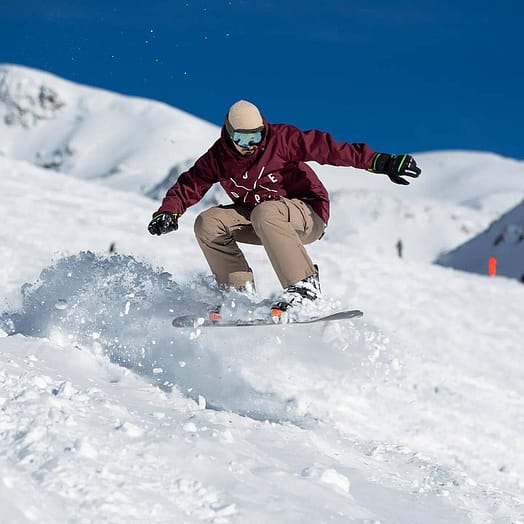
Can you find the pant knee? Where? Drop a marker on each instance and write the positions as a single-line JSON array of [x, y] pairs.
[[268, 212], [208, 224]]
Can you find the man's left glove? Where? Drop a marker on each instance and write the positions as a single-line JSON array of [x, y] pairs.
[[395, 167], [163, 223]]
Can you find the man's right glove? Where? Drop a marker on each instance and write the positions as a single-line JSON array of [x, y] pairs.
[[395, 167], [163, 223]]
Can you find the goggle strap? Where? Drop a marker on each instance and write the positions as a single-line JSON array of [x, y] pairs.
[[229, 127], [249, 131]]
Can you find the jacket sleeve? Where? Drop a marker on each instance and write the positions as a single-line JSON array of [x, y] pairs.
[[321, 147], [190, 186]]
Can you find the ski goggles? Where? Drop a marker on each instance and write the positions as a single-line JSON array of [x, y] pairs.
[[247, 139]]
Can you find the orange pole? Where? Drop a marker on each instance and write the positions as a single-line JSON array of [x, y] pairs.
[[492, 266]]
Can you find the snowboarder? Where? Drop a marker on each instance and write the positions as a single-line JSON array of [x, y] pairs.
[[278, 200]]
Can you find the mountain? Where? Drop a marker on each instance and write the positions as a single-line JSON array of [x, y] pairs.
[[503, 240], [142, 146], [108, 414], [123, 142]]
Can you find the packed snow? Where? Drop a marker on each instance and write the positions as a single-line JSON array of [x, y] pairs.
[[412, 414]]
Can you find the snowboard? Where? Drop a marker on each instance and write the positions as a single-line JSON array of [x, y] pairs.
[[198, 321]]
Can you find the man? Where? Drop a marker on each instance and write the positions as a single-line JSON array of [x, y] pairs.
[[278, 200]]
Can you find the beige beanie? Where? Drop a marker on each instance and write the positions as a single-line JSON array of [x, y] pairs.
[[244, 116]]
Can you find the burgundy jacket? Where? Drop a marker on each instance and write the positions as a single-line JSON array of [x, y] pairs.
[[277, 169]]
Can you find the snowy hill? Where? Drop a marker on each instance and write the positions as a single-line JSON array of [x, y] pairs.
[[142, 146], [412, 414], [457, 197], [503, 240], [482, 181], [109, 415], [126, 143]]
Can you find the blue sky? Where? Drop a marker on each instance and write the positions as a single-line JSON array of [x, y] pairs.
[[402, 76]]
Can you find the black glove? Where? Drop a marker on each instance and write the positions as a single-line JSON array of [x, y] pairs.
[[163, 223], [395, 167]]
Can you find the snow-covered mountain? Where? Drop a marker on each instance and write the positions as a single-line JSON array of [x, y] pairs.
[[127, 143], [142, 146], [107, 414], [503, 240], [412, 414]]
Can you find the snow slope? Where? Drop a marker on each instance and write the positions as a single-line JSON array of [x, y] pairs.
[[142, 146], [124, 142], [458, 196], [108, 414], [503, 240]]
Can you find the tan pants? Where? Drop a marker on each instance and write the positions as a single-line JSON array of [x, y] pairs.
[[281, 226]]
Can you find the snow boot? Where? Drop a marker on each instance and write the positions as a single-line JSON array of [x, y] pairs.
[[296, 294]]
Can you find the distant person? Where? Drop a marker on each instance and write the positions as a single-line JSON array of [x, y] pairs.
[[278, 200], [499, 239], [399, 248], [112, 247]]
